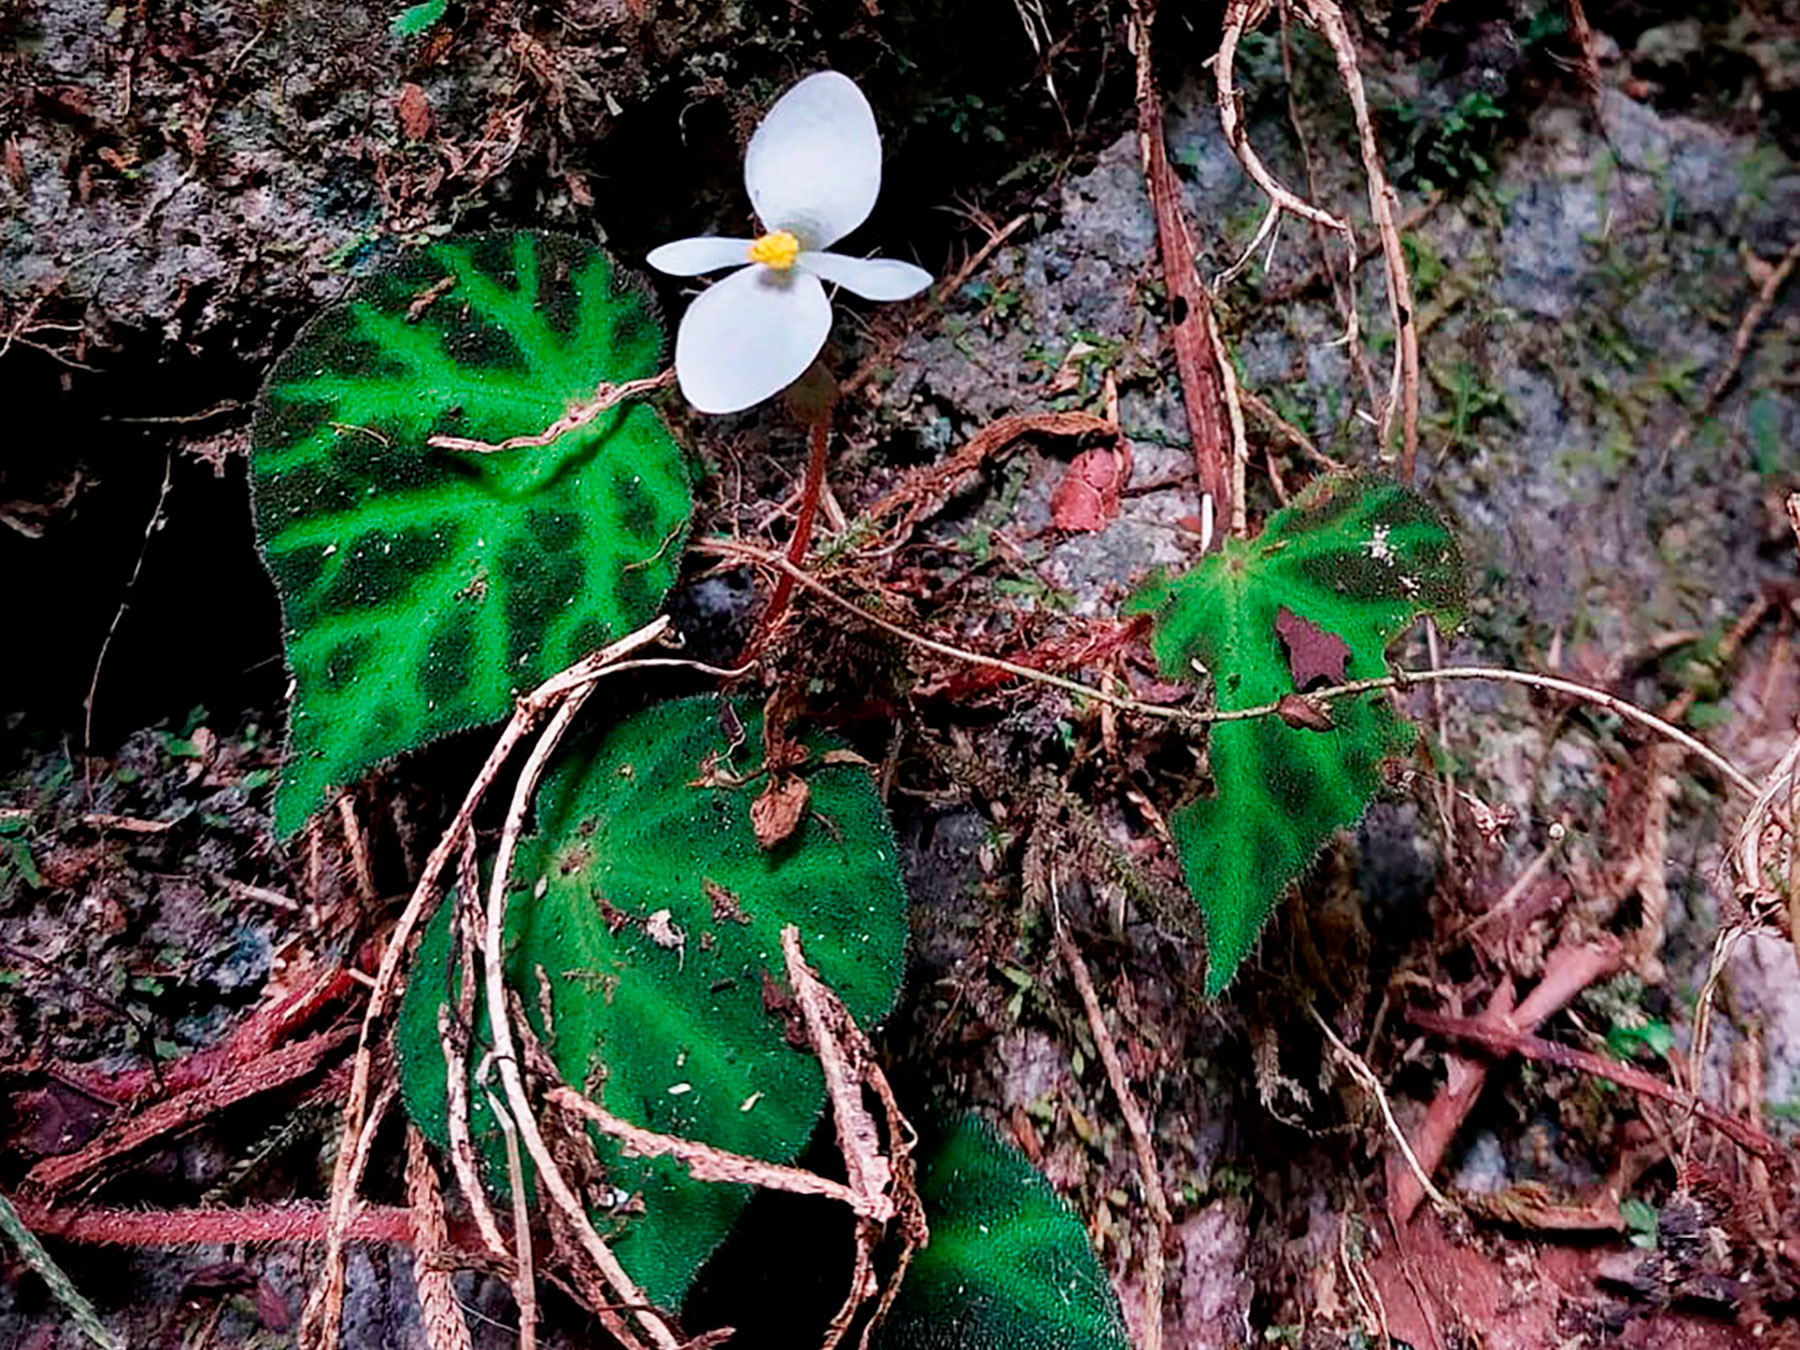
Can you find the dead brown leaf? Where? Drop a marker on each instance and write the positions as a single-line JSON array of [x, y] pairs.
[[15, 165], [1303, 713], [1314, 653], [726, 907], [1087, 498], [776, 812], [414, 111]]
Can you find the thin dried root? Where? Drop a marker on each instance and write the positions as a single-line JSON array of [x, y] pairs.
[[505, 1052], [1363, 1074], [1571, 967], [1149, 1176], [524, 1277], [1239, 15], [1404, 387], [884, 1181], [320, 1328], [706, 1163], [322, 1319], [454, 1027], [1400, 679], [1208, 382], [1505, 1041], [1772, 283]]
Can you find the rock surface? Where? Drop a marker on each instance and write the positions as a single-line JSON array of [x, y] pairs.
[[1574, 303]]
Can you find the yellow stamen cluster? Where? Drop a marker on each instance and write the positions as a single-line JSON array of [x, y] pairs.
[[776, 249]]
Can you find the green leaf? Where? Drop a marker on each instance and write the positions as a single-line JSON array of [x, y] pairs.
[[415, 19], [1357, 559], [26, 865], [1640, 1219], [423, 589], [664, 1020], [1655, 1035], [1008, 1266]]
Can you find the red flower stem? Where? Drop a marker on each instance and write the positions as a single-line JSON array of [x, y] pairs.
[[811, 490]]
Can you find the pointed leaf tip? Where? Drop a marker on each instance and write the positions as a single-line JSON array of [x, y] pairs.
[[1008, 1265], [1317, 596]]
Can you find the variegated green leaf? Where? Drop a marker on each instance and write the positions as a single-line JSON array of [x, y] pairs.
[[424, 588], [648, 920], [1008, 1266], [416, 19], [1352, 562]]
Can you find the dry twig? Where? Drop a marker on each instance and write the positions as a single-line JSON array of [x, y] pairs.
[[884, 1181], [1570, 968], [606, 397], [1288, 432], [214, 1226], [455, 1025], [445, 1328], [1343, 292], [1782, 783], [322, 1318], [1208, 383], [137, 568], [1404, 386], [1506, 1041], [1363, 1074], [1143, 1146], [706, 1163], [1740, 347], [388, 983], [926, 489], [358, 845], [1400, 679], [1238, 16], [505, 1053], [277, 1069], [1592, 84], [524, 1275]]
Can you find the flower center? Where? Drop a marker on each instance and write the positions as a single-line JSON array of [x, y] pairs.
[[776, 249]]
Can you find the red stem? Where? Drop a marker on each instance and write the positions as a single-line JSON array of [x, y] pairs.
[[1499, 1040], [1190, 317], [209, 1226], [1570, 968], [810, 491]]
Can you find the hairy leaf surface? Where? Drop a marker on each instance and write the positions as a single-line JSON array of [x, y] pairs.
[[416, 19], [657, 937], [422, 588], [1351, 559], [1008, 1266]]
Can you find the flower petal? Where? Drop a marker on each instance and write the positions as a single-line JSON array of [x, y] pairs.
[[814, 164], [749, 336], [703, 253], [871, 278]]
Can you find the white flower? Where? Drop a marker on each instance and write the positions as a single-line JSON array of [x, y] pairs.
[[813, 170]]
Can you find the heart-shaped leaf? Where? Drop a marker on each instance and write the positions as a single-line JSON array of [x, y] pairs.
[[1008, 1266], [423, 588], [1346, 567], [647, 909]]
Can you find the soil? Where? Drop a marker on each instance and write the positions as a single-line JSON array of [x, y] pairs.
[[184, 184]]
